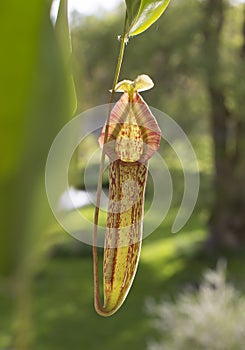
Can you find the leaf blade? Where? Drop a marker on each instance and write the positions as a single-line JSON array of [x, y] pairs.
[[142, 14], [64, 37]]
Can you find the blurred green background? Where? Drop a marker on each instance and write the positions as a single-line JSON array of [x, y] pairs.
[[195, 54]]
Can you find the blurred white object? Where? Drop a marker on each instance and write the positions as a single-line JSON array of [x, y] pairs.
[[75, 199]]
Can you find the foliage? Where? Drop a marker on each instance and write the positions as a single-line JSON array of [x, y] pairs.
[[198, 83], [63, 34], [210, 318], [227, 217], [173, 62], [34, 105], [63, 314], [32, 76], [142, 14]]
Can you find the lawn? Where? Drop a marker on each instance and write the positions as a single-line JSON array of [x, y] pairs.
[[63, 313]]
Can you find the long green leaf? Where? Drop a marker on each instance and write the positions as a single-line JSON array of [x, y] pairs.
[[63, 32], [142, 14], [34, 106], [21, 27]]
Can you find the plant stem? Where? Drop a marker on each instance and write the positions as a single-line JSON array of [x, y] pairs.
[[100, 177]]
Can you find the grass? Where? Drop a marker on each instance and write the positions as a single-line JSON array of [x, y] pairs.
[[63, 313]]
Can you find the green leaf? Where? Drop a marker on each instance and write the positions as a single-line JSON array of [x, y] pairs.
[[143, 13], [64, 38], [34, 106], [21, 27]]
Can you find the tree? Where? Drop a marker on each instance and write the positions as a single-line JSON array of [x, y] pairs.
[[227, 221], [198, 68]]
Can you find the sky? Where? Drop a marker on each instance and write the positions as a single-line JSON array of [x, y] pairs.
[[87, 7]]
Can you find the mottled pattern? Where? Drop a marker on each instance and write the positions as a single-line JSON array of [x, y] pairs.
[[133, 137], [129, 145], [135, 117], [124, 229]]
